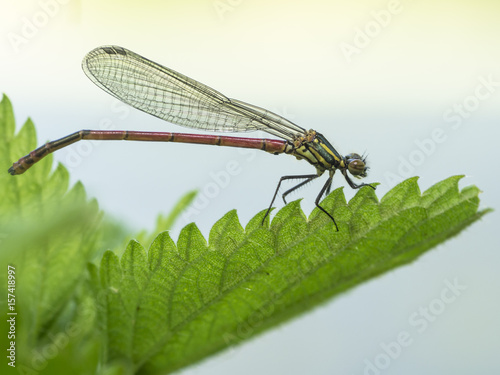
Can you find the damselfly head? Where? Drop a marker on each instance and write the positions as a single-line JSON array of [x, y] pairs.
[[356, 164]]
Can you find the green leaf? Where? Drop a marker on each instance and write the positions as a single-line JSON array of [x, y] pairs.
[[167, 222], [178, 304], [48, 233]]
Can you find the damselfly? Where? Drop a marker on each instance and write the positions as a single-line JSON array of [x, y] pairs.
[[171, 96]]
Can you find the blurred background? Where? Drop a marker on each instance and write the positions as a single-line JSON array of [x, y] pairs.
[[413, 84]]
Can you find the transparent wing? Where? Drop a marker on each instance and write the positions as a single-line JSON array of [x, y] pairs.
[[171, 96]]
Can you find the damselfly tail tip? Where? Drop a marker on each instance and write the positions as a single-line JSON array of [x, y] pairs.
[[15, 169]]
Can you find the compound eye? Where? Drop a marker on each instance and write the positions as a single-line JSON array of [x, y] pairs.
[[353, 156], [357, 167]]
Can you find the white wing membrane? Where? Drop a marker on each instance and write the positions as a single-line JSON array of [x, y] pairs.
[[171, 96]]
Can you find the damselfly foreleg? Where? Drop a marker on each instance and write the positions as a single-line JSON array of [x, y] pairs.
[[352, 184]]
